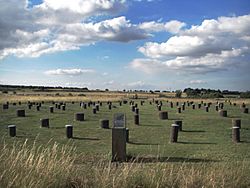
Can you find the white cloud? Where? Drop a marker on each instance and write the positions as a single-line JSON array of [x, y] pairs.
[[55, 26], [71, 72], [212, 46], [172, 26], [111, 82], [105, 74], [197, 82]]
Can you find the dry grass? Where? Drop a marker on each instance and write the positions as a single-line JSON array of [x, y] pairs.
[[60, 166], [36, 166]]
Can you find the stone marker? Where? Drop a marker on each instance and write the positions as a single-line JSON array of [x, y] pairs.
[[179, 110], [51, 109], [183, 107], [243, 105], [97, 107], [171, 104], [119, 144], [136, 119], [136, 110], [207, 108], [178, 122], [79, 116], [104, 123], [20, 113], [163, 115], [223, 113], [174, 133], [119, 120], [45, 122], [236, 134], [199, 105], [29, 106], [5, 106], [63, 107], [159, 107], [245, 110], [217, 108], [236, 123], [69, 131], [12, 130]]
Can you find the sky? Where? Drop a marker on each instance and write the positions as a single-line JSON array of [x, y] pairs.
[[126, 44]]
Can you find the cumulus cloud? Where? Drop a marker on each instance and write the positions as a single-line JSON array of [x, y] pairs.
[[197, 82], [173, 26], [212, 46], [55, 26], [111, 82], [71, 72]]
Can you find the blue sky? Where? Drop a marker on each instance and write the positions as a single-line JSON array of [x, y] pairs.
[[121, 44]]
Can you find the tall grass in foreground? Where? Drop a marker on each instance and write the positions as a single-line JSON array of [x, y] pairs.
[[35, 166], [53, 165]]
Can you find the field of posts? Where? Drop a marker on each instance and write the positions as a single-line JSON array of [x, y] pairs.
[[210, 149]]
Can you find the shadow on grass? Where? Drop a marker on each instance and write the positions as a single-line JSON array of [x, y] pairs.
[[197, 143], [193, 131], [57, 127], [233, 116], [167, 159], [141, 143], [79, 138], [151, 125], [247, 142]]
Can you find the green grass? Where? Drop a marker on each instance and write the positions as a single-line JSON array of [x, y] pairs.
[[204, 144]]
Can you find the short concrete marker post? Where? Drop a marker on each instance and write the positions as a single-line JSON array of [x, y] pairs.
[[223, 113], [44, 122], [178, 122], [136, 119], [51, 109], [174, 133], [69, 131], [235, 134], [12, 130], [104, 123], [79, 116], [163, 115], [20, 113]]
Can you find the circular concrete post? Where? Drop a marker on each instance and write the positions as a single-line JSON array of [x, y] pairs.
[[79, 116], [178, 122], [69, 131], [163, 115], [236, 134], [174, 133], [136, 119], [20, 113], [12, 130], [104, 123], [51, 109], [45, 122]]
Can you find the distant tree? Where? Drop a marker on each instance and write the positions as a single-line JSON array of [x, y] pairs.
[[178, 93]]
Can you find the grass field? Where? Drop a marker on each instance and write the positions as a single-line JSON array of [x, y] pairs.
[[204, 155]]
